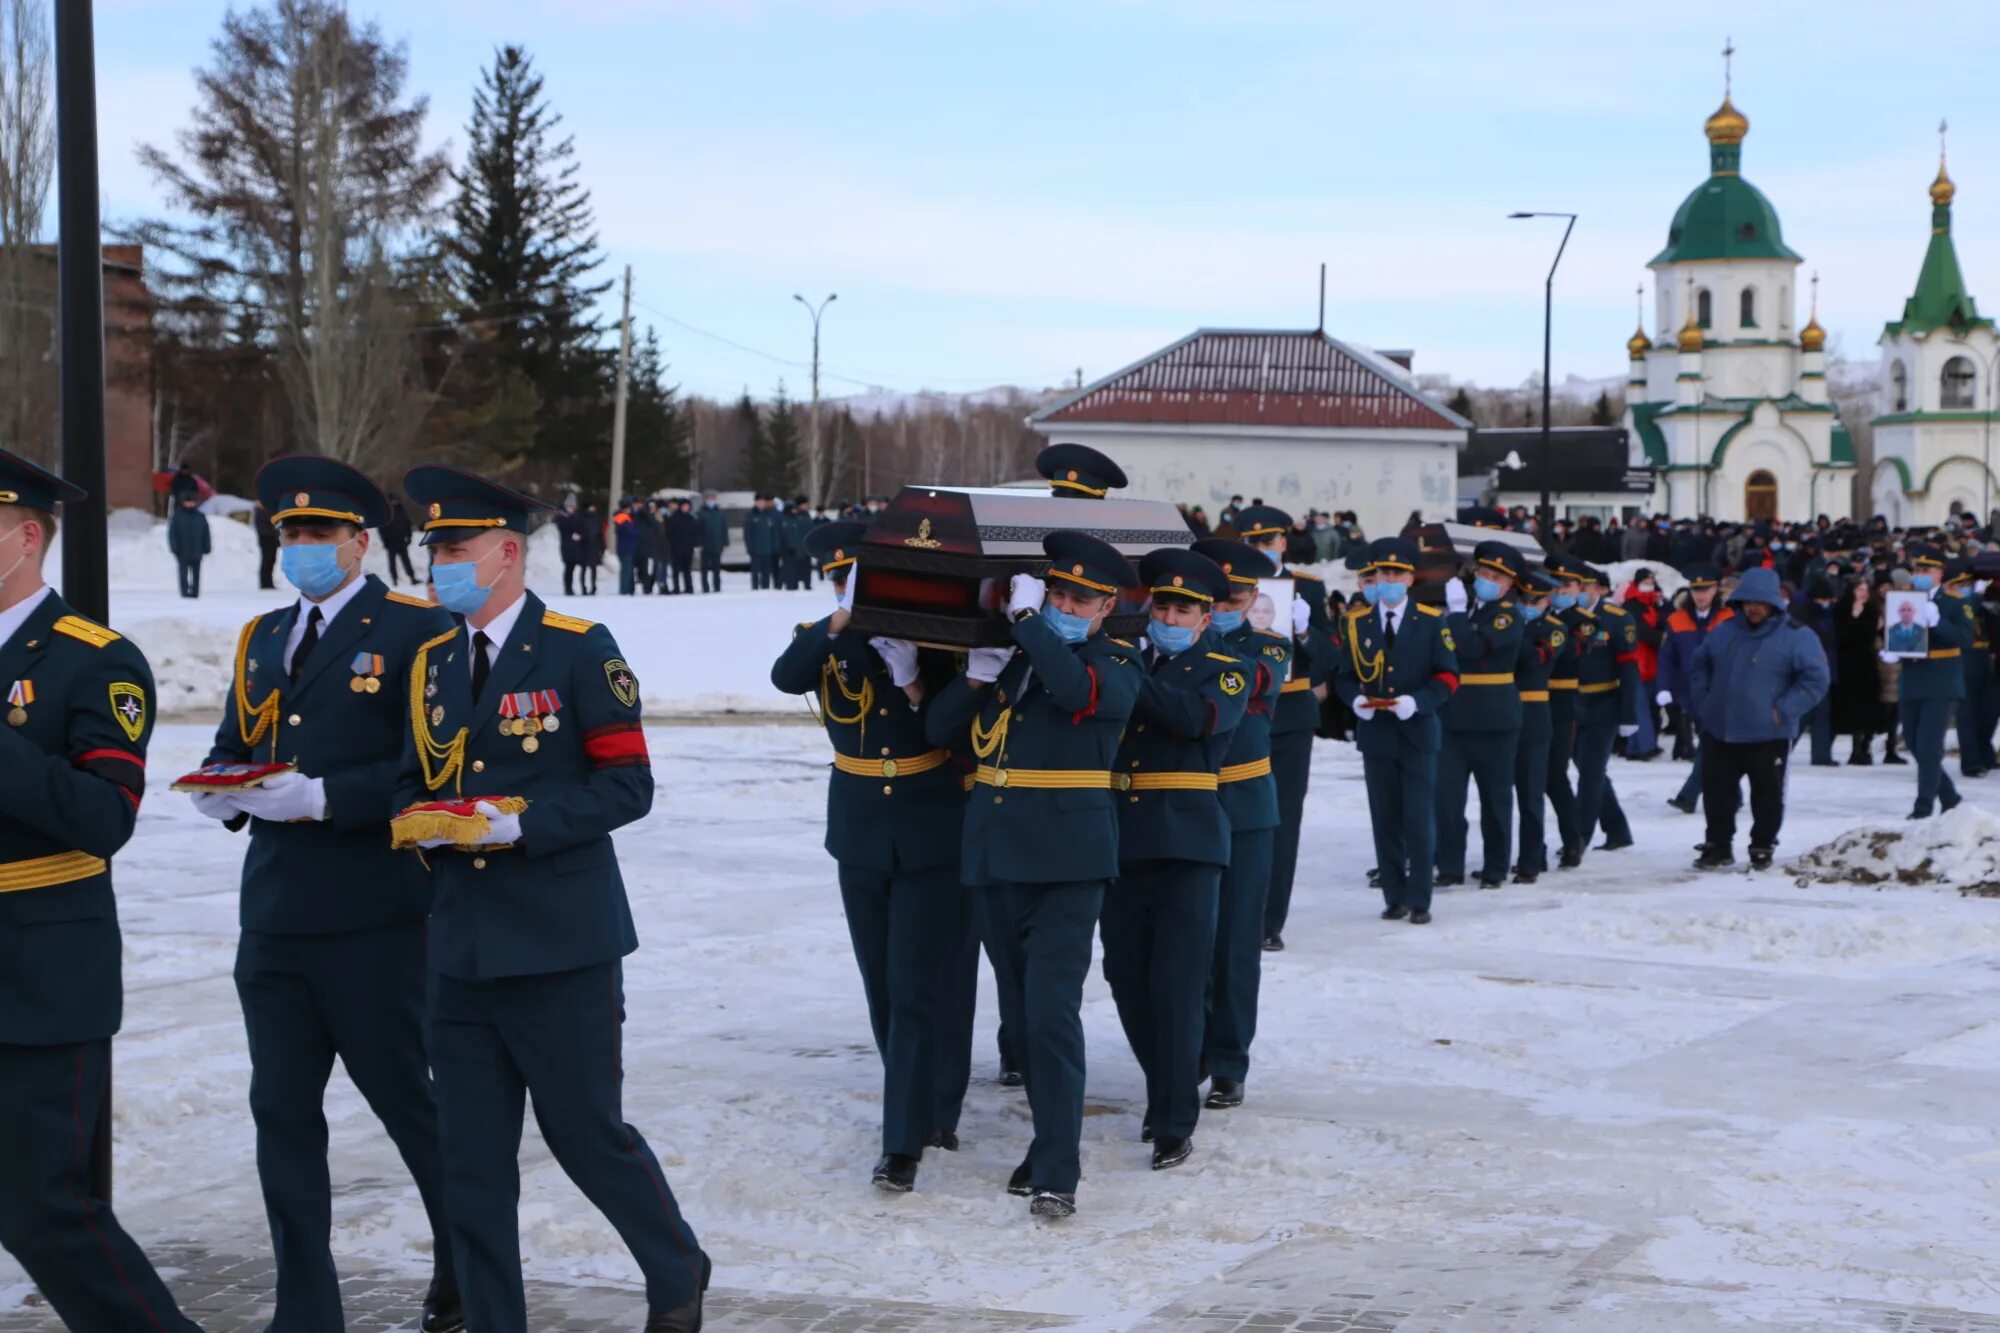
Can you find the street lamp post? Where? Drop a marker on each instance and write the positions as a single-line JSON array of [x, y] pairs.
[[1545, 515], [812, 423]]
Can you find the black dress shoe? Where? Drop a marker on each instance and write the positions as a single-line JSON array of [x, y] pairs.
[[683, 1318], [1170, 1153], [1485, 883], [1420, 918], [1394, 913], [1146, 1134], [1861, 759], [1375, 878], [1685, 807], [1570, 859], [1224, 1094], [1714, 858], [1049, 1203], [1526, 876], [1894, 759], [896, 1173], [1010, 1078], [1020, 1184], [1448, 881], [444, 1312], [1947, 804], [1614, 844], [943, 1138], [1274, 943], [1760, 858]]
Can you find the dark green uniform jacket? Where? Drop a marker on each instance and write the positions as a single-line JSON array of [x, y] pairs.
[[1249, 792], [1488, 641], [1169, 808]]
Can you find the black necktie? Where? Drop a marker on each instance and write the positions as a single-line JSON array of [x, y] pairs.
[[482, 663], [1389, 631], [307, 642]]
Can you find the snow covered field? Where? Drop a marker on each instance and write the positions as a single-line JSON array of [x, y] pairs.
[[1783, 1097]]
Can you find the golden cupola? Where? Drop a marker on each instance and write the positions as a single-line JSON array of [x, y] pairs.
[[1727, 125], [1812, 337], [1942, 189], [1638, 345]]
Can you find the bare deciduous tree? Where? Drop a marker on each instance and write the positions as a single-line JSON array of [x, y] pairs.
[[28, 392]]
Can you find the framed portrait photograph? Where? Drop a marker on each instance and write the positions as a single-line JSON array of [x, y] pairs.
[[1273, 608], [1903, 630]]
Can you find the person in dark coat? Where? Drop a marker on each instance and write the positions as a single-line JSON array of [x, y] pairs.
[[1857, 677], [662, 548], [267, 548], [188, 539], [1816, 610], [626, 528], [570, 532], [396, 534], [593, 548], [682, 534], [714, 526], [764, 543]]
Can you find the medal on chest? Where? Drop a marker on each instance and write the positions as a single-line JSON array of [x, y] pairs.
[[18, 698], [527, 714], [367, 669]]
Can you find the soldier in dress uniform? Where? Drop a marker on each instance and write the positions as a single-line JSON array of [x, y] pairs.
[[1482, 720], [526, 982], [1265, 528], [1078, 472], [331, 959], [1926, 687], [1173, 841], [79, 712], [1608, 703], [1569, 576], [1975, 714], [1044, 718], [895, 811], [1399, 670], [1545, 646], [1250, 803]]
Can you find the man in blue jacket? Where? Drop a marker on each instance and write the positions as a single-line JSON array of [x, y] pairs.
[[714, 538], [763, 539], [1755, 678]]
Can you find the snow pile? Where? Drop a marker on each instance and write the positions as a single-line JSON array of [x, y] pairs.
[[1960, 850]]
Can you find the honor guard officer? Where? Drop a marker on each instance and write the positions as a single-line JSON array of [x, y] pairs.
[[1250, 803], [1607, 706], [520, 704], [1482, 721], [1045, 717], [1265, 528], [895, 812], [331, 959], [1570, 576], [1078, 472], [1927, 686], [1545, 645], [1976, 713], [1173, 841], [1686, 628], [79, 712], [1398, 671]]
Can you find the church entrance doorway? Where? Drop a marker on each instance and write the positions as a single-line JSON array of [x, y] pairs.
[[1760, 496]]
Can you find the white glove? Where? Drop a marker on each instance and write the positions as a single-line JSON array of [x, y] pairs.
[[1302, 617], [1024, 593], [845, 601], [1455, 599], [987, 663], [1406, 707], [1929, 615], [1145, 644], [501, 830], [283, 799], [217, 805], [1664, 698], [900, 656], [1628, 728], [1361, 708], [1888, 656]]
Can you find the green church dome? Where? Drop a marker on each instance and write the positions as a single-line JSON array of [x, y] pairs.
[[1726, 217]]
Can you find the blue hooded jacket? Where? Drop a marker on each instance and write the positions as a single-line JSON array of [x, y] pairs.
[[1755, 682]]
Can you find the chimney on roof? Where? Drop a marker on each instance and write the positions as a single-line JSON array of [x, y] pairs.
[[1402, 356]]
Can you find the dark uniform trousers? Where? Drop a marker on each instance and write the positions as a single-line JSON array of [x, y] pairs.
[[1402, 799], [1159, 942], [1239, 953], [1485, 758], [1596, 800], [1291, 765], [1531, 785], [1562, 749], [1924, 722]]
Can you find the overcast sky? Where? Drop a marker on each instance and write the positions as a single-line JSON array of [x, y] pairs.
[[1006, 191]]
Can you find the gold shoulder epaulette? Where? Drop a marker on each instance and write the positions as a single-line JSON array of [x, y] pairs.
[[1304, 574], [1122, 643], [1353, 613], [1613, 609], [1428, 609], [1224, 657], [574, 624], [85, 631], [1273, 634], [405, 599]]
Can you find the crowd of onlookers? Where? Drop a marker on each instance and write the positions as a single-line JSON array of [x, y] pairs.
[[1315, 538]]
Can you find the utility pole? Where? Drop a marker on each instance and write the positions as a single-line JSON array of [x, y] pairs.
[[813, 481], [618, 407], [1545, 514]]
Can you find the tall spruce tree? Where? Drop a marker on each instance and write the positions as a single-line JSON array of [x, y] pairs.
[[782, 438], [657, 426], [749, 428], [520, 254]]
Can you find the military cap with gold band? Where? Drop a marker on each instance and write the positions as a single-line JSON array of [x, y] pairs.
[[1239, 561], [1393, 553], [310, 489], [1262, 521], [453, 504], [834, 546], [24, 484], [1078, 471], [1176, 573], [1087, 562]]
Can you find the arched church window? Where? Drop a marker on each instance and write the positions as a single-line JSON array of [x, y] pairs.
[[1747, 315], [1899, 387], [1956, 384], [1760, 496], [1704, 309], [1784, 307]]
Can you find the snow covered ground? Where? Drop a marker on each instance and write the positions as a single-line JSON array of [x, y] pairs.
[[1767, 1102]]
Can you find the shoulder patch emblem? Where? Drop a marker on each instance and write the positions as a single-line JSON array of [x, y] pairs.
[[1502, 621], [85, 631], [1232, 683], [1446, 631], [1555, 638], [557, 620], [624, 685], [1430, 610], [1276, 652], [128, 705], [405, 599]]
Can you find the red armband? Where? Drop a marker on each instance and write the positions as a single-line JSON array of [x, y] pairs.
[[1450, 679], [1089, 709], [121, 768], [620, 745]]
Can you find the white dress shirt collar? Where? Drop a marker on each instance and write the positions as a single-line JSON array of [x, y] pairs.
[[17, 615], [328, 609], [497, 632]]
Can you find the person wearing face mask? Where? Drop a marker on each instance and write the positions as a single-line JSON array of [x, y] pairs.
[[894, 811], [1928, 687], [1687, 627], [1482, 719], [1814, 609], [1250, 802], [1545, 645], [1267, 529], [530, 920], [1642, 603], [1607, 707], [1042, 717], [1173, 841], [1570, 575], [73, 737], [330, 962], [1399, 669], [1976, 715]]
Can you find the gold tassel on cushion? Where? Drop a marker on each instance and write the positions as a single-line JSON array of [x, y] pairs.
[[460, 823]]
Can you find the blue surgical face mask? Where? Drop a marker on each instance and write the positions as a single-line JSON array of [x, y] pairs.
[[313, 568], [1529, 611], [458, 587], [1227, 622], [1391, 594], [1172, 640], [1373, 593], [1486, 590], [1922, 582], [1564, 601], [1071, 629]]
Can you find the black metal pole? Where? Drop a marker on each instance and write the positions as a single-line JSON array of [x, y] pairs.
[[1544, 515], [80, 312]]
